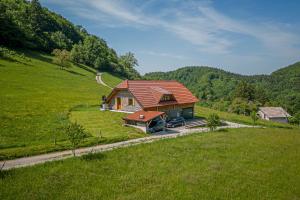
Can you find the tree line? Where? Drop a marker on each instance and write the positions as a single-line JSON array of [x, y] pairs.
[[28, 25], [236, 93]]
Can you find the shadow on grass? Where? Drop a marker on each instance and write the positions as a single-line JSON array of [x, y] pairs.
[[222, 130], [73, 72], [93, 156], [38, 56], [5, 173], [199, 118], [13, 60], [85, 68], [114, 74]]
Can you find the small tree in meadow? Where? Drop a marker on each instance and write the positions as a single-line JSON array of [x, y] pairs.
[[61, 58], [213, 121], [254, 116], [295, 119], [76, 134]]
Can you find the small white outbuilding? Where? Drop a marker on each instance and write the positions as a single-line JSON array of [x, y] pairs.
[[277, 114]]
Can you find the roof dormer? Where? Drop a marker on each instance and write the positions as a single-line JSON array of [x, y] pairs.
[[167, 97]]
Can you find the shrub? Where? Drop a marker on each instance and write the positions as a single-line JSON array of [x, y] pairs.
[[213, 121], [295, 119], [61, 57], [76, 134], [254, 116]]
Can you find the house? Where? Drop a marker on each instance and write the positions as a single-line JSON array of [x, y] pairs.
[[149, 100], [277, 114]]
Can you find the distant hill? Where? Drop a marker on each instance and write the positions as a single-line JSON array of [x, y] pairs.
[[213, 85]]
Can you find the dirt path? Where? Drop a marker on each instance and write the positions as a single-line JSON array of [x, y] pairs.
[[100, 81], [33, 160]]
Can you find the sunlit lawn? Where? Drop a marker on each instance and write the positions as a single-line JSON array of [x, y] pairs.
[[233, 164], [104, 124], [110, 80], [35, 99]]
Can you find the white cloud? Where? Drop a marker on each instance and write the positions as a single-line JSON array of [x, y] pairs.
[[115, 9], [204, 29], [269, 34], [195, 22]]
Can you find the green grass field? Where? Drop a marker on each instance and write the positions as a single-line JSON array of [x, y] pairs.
[[36, 98], [104, 124], [110, 80], [228, 164]]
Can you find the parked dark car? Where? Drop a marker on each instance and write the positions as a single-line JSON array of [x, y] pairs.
[[157, 126], [179, 121]]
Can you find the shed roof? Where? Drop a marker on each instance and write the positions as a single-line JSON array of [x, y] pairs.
[[274, 112], [148, 93], [146, 116]]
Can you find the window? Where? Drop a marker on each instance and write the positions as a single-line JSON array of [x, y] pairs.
[[130, 102], [166, 98]]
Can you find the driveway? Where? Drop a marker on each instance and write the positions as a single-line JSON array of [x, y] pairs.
[[170, 133], [182, 130], [100, 81]]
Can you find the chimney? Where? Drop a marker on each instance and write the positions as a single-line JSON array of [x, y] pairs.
[[142, 116]]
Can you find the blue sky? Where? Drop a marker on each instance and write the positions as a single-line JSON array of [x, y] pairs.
[[241, 36]]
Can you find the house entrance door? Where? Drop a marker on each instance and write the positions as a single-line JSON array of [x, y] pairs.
[[119, 103]]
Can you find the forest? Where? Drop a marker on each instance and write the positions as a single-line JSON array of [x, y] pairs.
[[237, 93], [28, 25]]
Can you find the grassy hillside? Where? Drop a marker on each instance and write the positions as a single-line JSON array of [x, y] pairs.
[[110, 79], [37, 98], [216, 87], [229, 164]]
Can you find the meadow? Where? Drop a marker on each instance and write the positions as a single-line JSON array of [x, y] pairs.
[[104, 124], [227, 164], [36, 99], [111, 80]]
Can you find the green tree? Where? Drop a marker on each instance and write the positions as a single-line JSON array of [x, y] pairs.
[[37, 22], [60, 40], [77, 53], [295, 119], [213, 121], [260, 95], [61, 57], [128, 63], [9, 32], [239, 106], [242, 106], [94, 52], [245, 90], [128, 60], [76, 134], [254, 116]]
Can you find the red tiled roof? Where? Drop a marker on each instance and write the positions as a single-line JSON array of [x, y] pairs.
[[148, 93], [123, 85], [147, 115]]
